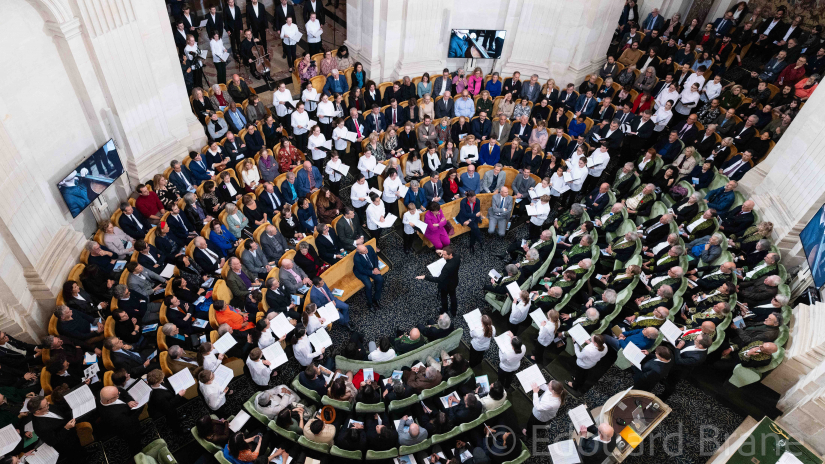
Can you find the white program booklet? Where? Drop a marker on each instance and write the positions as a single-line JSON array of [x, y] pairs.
[[634, 354], [44, 454], [239, 421], [436, 267], [538, 317], [81, 400], [580, 417], [515, 290], [329, 312], [168, 271], [579, 335], [181, 381], [670, 331], [341, 167], [494, 274], [473, 319], [280, 325], [275, 355], [379, 168], [350, 136], [224, 343], [504, 342], [140, 391], [9, 438], [320, 339], [223, 375], [531, 375], [389, 220], [564, 452]]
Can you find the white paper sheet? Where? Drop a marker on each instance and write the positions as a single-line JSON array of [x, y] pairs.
[[341, 167], [224, 343], [670, 331], [564, 452], [402, 191], [44, 454], [494, 274], [567, 177], [580, 417], [275, 355], [786, 458], [504, 342], [223, 375], [529, 376], [239, 421], [140, 391], [538, 317], [320, 339], [168, 271], [436, 267], [634, 354], [181, 381], [329, 312], [280, 325], [379, 168], [514, 289], [9, 438], [350, 136], [473, 319], [389, 220], [81, 400], [531, 210], [579, 334]]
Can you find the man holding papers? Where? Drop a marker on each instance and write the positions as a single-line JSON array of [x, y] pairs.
[[366, 268], [684, 360], [655, 368], [136, 364], [119, 418], [54, 429], [163, 402], [447, 280], [642, 338], [321, 295], [595, 449]]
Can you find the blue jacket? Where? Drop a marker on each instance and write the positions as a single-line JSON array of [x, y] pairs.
[[638, 338], [177, 179], [224, 242], [480, 129], [465, 212], [486, 156], [317, 297], [465, 183], [720, 200], [302, 181], [421, 198], [591, 105], [704, 178], [308, 220], [286, 191], [360, 267], [198, 173], [576, 128], [339, 87]]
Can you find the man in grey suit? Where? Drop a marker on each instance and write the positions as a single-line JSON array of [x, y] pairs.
[[499, 212], [349, 230], [426, 133], [522, 186], [445, 106], [501, 129], [292, 277], [493, 179], [531, 89], [254, 259], [273, 243], [443, 83], [434, 190], [144, 281]]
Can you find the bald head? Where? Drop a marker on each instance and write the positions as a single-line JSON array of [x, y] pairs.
[[108, 395], [708, 327], [748, 206], [605, 431], [414, 427], [361, 249], [616, 208], [415, 334], [286, 264]]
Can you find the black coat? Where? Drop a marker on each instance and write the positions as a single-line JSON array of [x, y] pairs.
[[448, 280], [653, 371], [320, 12]]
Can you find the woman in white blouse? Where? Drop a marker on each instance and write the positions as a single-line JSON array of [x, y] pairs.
[[480, 339], [310, 320], [288, 32], [557, 183], [712, 89], [310, 98], [325, 113], [546, 406], [333, 175], [510, 359], [212, 394], [469, 151], [316, 140], [543, 188], [259, 368], [359, 195], [432, 160], [579, 173], [251, 177], [366, 164], [266, 336], [661, 118], [519, 310], [314, 32], [338, 134], [537, 221], [671, 94], [688, 100], [383, 352], [207, 359], [300, 127], [375, 215], [302, 348], [280, 98], [547, 333], [217, 48], [392, 191], [586, 358]]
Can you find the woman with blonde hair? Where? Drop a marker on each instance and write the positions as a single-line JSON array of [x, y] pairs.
[[249, 174], [685, 162], [426, 106], [549, 92], [200, 104], [391, 140], [166, 191], [547, 333], [116, 240], [507, 106], [484, 103], [236, 222], [377, 149]]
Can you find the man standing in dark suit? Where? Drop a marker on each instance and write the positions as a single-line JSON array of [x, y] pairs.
[[256, 21], [375, 122], [395, 115], [180, 229], [349, 230], [470, 216], [596, 449], [214, 23], [612, 135], [638, 133], [447, 281], [365, 268], [655, 368], [233, 23], [445, 107], [283, 10], [119, 418], [132, 222], [685, 358], [314, 6], [687, 131], [55, 430], [597, 200], [190, 22]]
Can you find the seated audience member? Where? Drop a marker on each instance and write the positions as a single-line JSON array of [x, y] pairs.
[[135, 363], [271, 402], [78, 325], [405, 343], [383, 351], [215, 431]]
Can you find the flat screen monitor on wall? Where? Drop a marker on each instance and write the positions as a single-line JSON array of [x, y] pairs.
[[476, 43], [813, 241], [91, 178]]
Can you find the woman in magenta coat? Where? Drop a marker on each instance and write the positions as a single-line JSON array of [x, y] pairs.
[[436, 221]]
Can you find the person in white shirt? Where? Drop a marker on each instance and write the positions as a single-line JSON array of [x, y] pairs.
[[688, 100], [193, 52], [670, 94], [480, 339], [543, 188], [359, 195], [469, 151], [558, 184], [547, 333], [537, 220], [302, 348], [310, 97], [338, 133], [259, 368], [519, 310], [315, 141], [546, 406], [249, 174], [280, 98], [662, 117], [333, 176], [266, 337], [712, 89], [207, 358], [212, 394], [310, 320], [410, 217], [314, 32], [300, 127], [510, 359], [695, 78], [579, 173], [587, 358], [217, 48], [601, 158], [376, 215], [288, 33], [325, 114], [366, 164], [383, 352], [392, 188]]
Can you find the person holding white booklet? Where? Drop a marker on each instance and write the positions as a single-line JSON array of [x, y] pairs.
[[317, 144], [480, 339], [545, 407], [509, 357], [291, 36], [259, 369], [586, 358], [377, 219], [547, 332], [212, 393], [393, 186]]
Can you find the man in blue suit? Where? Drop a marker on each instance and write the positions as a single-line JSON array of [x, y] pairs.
[[180, 178], [722, 198], [723, 25], [481, 127], [305, 184], [375, 121], [336, 83], [321, 295], [470, 216], [737, 166], [198, 169], [395, 115], [654, 21], [133, 222], [365, 267], [180, 229], [416, 196], [642, 338], [586, 104], [271, 199]]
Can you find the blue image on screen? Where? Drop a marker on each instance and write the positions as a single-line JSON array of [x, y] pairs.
[[91, 178], [813, 241]]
